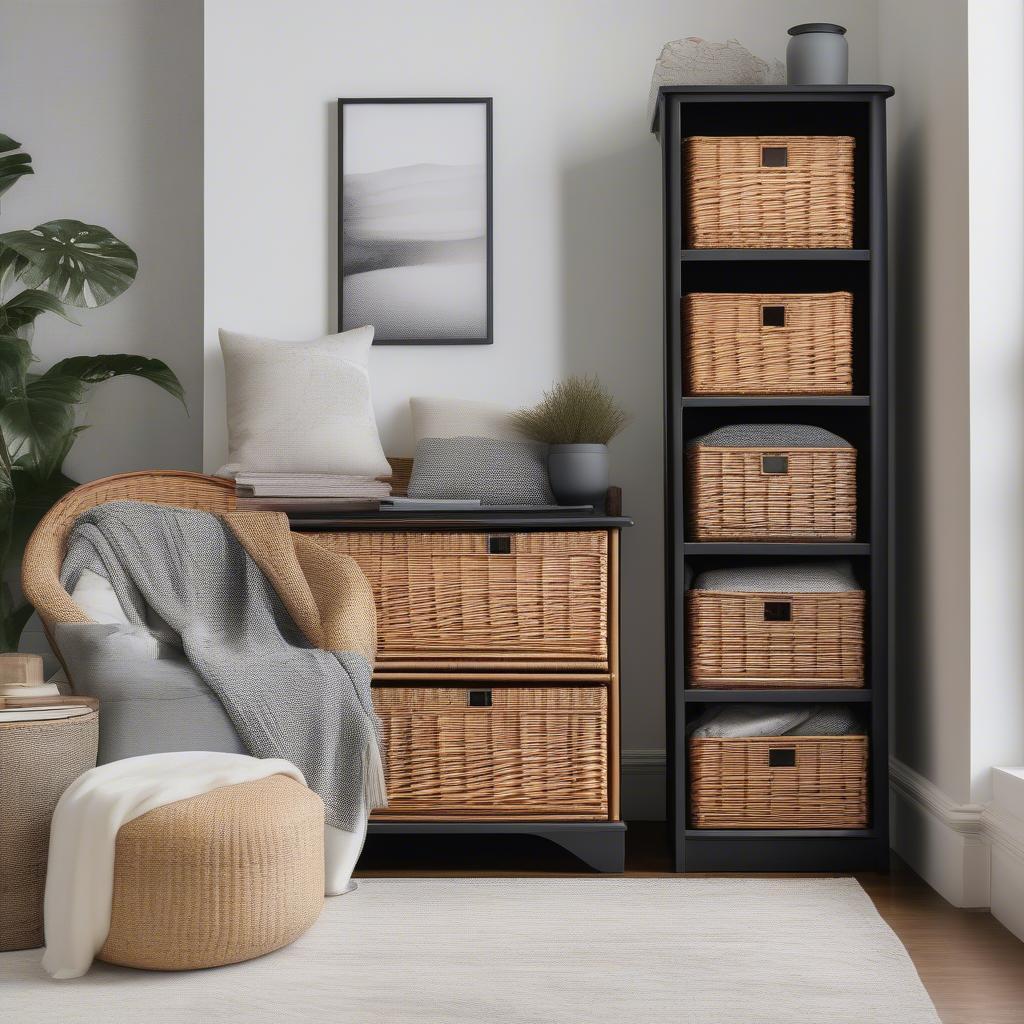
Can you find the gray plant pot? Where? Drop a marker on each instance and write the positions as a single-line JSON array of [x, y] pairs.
[[817, 55], [578, 473]]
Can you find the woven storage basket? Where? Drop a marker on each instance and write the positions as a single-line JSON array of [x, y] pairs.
[[38, 761], [767, 641], [771, 492], [768, 344], [769, 191], [504, 752], [779, 782], [522, 601]]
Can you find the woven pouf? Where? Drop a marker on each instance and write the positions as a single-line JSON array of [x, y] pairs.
[[218, 878]]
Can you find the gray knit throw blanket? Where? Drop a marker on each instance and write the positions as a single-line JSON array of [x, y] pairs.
[[182, 575]]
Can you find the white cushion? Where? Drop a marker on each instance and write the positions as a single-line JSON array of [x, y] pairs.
[[460, 417], [95, 596], [301, 406]]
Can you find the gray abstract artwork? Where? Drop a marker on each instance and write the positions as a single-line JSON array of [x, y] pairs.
[[415, 247]]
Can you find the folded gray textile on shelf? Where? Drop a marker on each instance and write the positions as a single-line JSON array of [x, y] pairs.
[[770, 435], [825, 577], [732, 721], [183, 577]]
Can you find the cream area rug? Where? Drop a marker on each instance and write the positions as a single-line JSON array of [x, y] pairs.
[[491, 951]]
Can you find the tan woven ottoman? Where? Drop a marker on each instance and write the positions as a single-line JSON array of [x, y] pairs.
[[218, 878]]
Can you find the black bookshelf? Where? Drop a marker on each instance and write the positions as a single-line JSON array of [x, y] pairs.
[[863, 418]]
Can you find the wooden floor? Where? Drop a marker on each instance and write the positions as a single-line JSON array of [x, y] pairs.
[[971, 965]]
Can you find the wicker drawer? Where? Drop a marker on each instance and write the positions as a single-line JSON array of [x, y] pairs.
[[496, 753], [769, 191], [768, 343], [771, 493], [779, 782], [450, 601], [767, 640]]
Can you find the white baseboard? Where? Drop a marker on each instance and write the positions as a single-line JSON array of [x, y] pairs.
[[643, 785], [945, 842]]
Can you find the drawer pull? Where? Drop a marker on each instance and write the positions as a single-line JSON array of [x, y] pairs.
[[480, 699], [775, 156], [773, 316], [782, 757], [774, 465], [778, 611], [500, 545]]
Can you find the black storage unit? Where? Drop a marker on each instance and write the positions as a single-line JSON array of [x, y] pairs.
[[863, 418]]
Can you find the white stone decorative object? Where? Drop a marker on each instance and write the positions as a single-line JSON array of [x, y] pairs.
[[695, 61]]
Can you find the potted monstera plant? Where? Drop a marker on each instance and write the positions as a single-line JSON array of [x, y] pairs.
[[45, 270]]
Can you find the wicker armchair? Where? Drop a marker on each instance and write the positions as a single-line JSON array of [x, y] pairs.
[[44, 554]]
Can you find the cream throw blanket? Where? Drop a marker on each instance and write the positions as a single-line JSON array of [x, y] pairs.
[[83, 834]]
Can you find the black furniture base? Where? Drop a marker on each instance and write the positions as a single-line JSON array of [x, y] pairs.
[[786, 850], [601, 845]]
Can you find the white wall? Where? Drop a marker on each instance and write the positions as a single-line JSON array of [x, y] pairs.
[[577, 212], [956, 171], [996, 71], [107, 96], [923, 54]]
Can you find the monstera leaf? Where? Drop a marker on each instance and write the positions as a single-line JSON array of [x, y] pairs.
[[96, 369], [23, 308], [15, 359], [81, 264], [12, 165], [40, 419]]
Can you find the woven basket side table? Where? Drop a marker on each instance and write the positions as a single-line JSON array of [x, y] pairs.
[[38, 761]]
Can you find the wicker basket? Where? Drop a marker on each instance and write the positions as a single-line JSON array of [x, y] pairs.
[[38, 761], [779, 782], [768, 344], [519, 602], [764, 494], [769, 191], [495, 753], [768, 641]]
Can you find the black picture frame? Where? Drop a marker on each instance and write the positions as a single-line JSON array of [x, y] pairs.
[[487, 101]]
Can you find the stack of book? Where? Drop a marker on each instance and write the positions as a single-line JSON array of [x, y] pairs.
[[308, 492]]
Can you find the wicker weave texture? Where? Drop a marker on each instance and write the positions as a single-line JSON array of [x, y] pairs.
[[731, 497], [538, 751], [734, 201], [442, 599], [38, 761], [745, 640], [218, 878], [730, 349], [734, 785], [44, 553]]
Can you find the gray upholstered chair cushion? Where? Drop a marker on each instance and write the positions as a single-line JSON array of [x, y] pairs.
[[148, 705]]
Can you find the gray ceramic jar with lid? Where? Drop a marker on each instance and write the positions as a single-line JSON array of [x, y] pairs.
[[817, 55]]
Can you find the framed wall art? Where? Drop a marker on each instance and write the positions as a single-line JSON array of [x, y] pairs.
[[415, 215]]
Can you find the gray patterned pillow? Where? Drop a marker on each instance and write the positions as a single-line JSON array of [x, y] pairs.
[[498, 472]]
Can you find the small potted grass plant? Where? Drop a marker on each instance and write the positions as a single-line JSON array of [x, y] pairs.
[[576, 418]]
